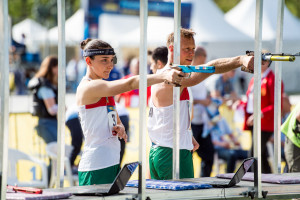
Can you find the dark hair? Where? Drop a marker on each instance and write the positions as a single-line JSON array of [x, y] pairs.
[[94, 44], [160, 53], [186, 33], [46, 68]]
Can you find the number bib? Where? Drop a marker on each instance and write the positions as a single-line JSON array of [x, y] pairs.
[[112, 118]]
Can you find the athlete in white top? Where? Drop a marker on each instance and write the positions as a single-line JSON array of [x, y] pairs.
[[99, 120], [162, 98]]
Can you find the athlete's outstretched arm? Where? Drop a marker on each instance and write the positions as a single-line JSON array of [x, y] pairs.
[[91, 91], [221, 65]]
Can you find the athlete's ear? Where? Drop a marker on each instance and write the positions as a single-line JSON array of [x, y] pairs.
[[159, 64], [88, 60], [171, 48]]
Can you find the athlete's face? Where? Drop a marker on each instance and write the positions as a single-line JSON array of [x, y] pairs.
[[187, 50], [101, 65]]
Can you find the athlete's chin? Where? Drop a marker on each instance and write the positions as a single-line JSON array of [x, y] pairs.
[[106, 75]]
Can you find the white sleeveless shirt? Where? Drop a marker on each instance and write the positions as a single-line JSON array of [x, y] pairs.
[[101, 147], [160, 123]]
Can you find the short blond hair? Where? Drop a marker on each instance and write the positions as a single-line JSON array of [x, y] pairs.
[[186, 33]]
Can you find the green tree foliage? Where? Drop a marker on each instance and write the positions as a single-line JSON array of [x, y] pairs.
[[293, 6], [226, 5], [45, 11], [42, 11]]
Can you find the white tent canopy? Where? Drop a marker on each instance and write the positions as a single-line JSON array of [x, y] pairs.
[[208, 22], [35, 34], [157, 32], [124, 30], [242, 17], [74, 28], [112, 27]]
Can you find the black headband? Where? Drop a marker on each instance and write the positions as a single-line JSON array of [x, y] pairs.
[[94, 52]]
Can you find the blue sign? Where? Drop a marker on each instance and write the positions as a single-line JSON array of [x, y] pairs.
[[95, 8]]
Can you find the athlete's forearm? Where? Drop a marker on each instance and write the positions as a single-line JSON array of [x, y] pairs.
[[226, 64], [151, 80], [221, 65]]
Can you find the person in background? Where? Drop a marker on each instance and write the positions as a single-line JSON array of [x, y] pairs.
[[291, 129], [74, 72], [45, 104], [267, 111], [227, 149], [73, 123], [224, 88], [200, 119], [44, 87], [159, 58]]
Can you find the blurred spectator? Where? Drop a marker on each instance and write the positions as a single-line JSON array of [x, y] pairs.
[[224, 88], [131, 98], [74, 72], [126, 67], [267, 111], [16, 69], [20, 81], [291, 128], [73, 123], [44, 87], [159, 58], [200, 119], [230, 151]]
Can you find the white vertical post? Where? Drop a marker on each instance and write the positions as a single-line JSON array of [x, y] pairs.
[[142, 96], [277, 96], [257, 94], [61, 93], [176, 91], [4, 92]]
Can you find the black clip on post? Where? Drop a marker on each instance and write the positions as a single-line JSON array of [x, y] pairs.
[[140, 180]]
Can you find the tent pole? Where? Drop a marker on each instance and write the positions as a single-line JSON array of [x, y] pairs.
[[277, 96], [257, 97], [61, 93], [142, 97], [4, 98], [176, 91]]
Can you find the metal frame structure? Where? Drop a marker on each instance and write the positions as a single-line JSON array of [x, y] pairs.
[[176, 91], [61, 92], [277, 100], [4, 98], [143, 97], [257, 96], [4, 62]]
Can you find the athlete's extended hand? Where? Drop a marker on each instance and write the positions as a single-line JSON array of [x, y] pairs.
[[120, 131], [248, 63], [173, 76], [195, 144]]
